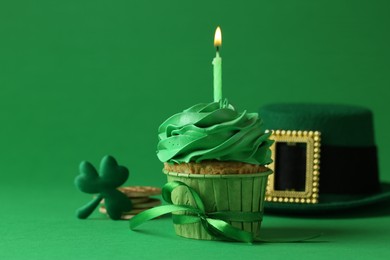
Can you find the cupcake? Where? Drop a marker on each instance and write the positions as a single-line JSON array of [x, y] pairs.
[[221, 154]]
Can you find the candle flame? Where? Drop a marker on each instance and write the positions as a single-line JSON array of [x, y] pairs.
[[218, 37]]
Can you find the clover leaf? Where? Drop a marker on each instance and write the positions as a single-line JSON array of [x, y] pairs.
[[105, 184]]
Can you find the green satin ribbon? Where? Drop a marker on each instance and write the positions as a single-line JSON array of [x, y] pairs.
[[214, 223]]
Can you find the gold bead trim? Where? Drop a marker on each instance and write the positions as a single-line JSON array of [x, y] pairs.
[[313, 154]]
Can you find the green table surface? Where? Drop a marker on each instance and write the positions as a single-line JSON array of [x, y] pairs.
[[41, 224], [82, 79]]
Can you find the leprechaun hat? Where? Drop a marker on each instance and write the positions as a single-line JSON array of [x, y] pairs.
[[343, 172]]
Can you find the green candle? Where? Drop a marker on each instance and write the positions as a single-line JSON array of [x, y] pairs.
[[217, 63]]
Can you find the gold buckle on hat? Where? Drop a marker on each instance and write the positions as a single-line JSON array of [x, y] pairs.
[[308, 191]]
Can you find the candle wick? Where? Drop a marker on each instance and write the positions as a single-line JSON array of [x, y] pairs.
[[217, 48]]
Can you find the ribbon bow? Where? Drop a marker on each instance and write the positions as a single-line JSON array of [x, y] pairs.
[[215, 223]]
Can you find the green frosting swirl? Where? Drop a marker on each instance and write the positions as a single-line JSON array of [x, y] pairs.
[[213, 131]]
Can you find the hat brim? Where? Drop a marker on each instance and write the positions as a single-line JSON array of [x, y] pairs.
[[331, 203]]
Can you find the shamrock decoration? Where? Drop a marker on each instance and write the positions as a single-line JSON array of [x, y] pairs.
[[111, 176]]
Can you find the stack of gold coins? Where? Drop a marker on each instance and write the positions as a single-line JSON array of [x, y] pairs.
[[141, 198]]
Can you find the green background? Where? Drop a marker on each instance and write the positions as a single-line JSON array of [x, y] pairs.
[[81, 79]]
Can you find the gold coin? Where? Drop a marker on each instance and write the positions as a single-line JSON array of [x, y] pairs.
[[146, 205], [140, 191], [103, 210], [139, 200]]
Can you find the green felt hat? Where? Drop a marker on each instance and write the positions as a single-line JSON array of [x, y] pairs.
[[348, 165]]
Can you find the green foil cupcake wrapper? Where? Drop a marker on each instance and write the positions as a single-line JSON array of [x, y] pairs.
[[236, 192]]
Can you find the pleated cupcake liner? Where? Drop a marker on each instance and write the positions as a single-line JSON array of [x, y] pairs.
[[235, 192]]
